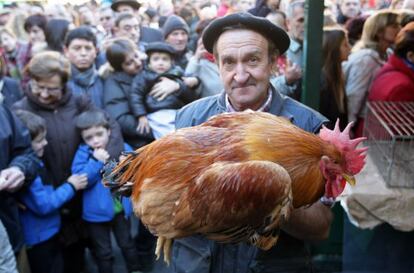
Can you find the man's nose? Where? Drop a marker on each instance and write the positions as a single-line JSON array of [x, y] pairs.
[[241, 75]]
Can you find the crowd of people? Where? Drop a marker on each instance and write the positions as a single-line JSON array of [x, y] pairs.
[[81, 85]]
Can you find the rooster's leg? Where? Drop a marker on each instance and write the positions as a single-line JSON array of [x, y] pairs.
[[164, 245], [160, 245], [167, 250]]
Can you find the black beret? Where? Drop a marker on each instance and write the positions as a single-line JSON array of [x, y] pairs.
[[246, 21], [133, 3], [160, 47]]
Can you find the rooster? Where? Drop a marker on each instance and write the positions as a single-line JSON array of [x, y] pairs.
[[234, 178]]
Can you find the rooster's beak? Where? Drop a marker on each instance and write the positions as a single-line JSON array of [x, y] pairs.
[[349, 178]]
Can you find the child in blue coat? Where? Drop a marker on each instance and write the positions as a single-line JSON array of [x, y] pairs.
[[102, 212], [40, 204]]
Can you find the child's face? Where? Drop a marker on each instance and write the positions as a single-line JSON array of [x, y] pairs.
[[39, 143], [7, 42], [160, 62], [96, 137]]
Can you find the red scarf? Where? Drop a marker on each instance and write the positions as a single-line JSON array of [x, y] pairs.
[[209, 57]]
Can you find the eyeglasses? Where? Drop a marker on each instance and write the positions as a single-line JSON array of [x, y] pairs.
[[38, 89]]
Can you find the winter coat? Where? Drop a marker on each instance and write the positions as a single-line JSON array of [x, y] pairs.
[[11, 91], [98, 203], [64, 138], [196, 254], [141, 103], [360, 70], [39, 214], [15, 150], [394, 82], [92, 88], [330, 108], [208, 74], [116, 92]]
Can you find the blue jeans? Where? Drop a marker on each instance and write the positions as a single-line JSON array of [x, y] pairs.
[[100, 236]]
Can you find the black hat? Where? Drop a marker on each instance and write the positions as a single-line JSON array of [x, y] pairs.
[[160, 47], [133, 3], [174, 22], [248, 21]]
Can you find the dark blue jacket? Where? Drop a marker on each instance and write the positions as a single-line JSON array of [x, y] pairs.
[[116, 99], [15, 150], [40, 216], [141, 103], [197, 254], [11, 91], [98, 204], [94, 90]]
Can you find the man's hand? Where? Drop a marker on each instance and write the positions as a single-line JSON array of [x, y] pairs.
[[293, 72], [101, 155], [164, 88], [11, 179], [309, 223], [200, 51], [190, 81], [78, 181]]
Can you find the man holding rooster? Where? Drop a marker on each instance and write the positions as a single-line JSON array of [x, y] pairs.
[[245, 47]]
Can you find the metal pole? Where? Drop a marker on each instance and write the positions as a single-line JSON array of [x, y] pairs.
[[312, 52]]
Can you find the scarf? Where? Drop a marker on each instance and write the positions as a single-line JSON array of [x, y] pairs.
[[84, 78], [209, 57]]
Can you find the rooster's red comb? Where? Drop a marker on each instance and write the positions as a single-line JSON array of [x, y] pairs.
[[355, 158]]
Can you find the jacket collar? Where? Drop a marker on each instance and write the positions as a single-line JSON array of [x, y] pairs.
[[123, 77], [276, 105]]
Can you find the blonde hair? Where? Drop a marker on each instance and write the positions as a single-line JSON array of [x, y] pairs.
[[373, 27], [48, 64]]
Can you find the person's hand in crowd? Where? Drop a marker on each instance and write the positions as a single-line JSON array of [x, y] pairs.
[[190, 81], [200, 51], [293, 72], [164, 88], [101, 155], [78, 181], [143, 125], [11, 179]]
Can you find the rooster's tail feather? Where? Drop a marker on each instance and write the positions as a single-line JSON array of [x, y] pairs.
[[113, 175], [267, 241]]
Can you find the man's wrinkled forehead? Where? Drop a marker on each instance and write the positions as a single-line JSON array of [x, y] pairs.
[[235, 39]]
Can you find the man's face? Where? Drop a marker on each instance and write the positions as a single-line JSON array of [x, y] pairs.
[[159, 62], [81, 53], [128, 28], [350, 8], [296, 24], [106, 19], [178, 39], [245, 67]]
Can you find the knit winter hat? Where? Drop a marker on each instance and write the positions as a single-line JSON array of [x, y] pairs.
[[174, 22]]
